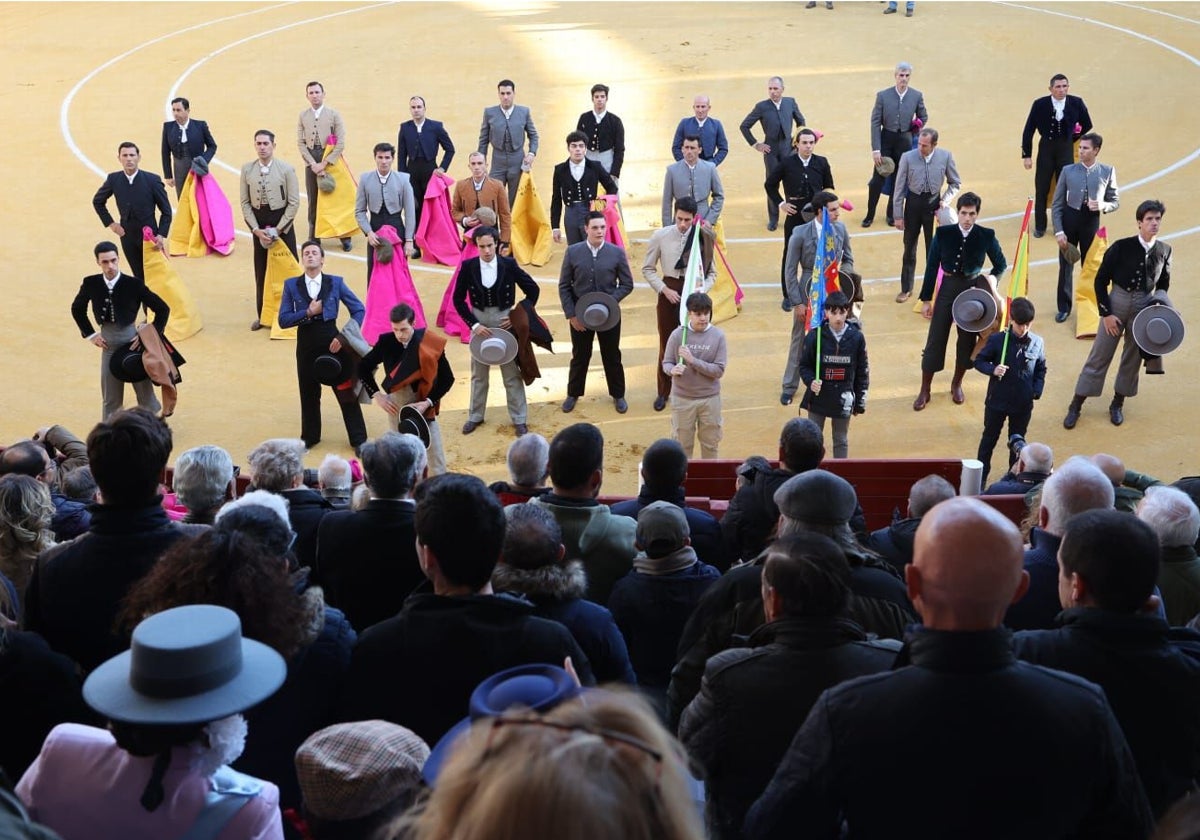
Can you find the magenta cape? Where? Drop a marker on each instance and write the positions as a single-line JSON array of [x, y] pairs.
[[390, 284], [612, 218], [437, 236], [448, 318], [216, 216]]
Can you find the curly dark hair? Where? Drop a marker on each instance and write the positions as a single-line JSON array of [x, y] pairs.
[[228, 569]]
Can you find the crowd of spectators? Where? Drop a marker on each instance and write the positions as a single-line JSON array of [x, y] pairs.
[[361, 651]]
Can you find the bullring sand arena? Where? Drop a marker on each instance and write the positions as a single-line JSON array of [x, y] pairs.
[[82, 77]]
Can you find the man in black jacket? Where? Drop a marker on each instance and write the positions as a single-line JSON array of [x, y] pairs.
[[895, 542], [367, 559], [420, 667], [1059, 118], [77, 587], [116, 299], [138, 194], [1011, 749], [754, 698], [574, 188], [1108, 563], [802, 175]]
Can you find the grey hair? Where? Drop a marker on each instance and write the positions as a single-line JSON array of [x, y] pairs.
[[392, 464], [334, 473], [202, 475], [1172, 514], [277, 463], [260, 498], [777, 79], [1076, 486], [905, 66], [1037, 457], [927, 492], [528, 460]]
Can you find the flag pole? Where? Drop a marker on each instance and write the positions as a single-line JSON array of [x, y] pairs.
[[1020, 275]]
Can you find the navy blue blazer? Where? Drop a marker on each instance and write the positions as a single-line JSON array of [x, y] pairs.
[[293, 308], [409, 141], [713, 145], [200, 143], [135, 202]]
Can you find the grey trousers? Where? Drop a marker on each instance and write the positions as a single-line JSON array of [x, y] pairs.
[[112, 390], [1091, 379], [506, 168], [791, 371], [510, 374], [436, 452], [841, 432]]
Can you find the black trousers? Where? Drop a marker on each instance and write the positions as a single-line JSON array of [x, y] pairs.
[[1052, 156], [131, 244], [919, 210], [312, 340], [419, 172], [574, 220], [1079, 226], [581, 357], [933, 359], [378, 220], [266, 217], [993, 422], [892, 145], [781, 147]]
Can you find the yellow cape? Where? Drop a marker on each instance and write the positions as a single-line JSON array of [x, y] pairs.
[[531, 235], [724, 290], [1087, 313], [186, 238], [280, 266], [162, 279], [335, 210]]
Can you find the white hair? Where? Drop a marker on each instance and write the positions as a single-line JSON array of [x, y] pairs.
[[1076, 486], [334, 473], [1172, 514], [261, 498]]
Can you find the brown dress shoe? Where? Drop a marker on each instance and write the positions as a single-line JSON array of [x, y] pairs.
[[521, 429], [903, 296]]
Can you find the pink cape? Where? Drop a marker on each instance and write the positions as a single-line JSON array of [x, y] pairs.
[[612, 218], [448, 318], [216, 216], [390, 284], [438, 236]]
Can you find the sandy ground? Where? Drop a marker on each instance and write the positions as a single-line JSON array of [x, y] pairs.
[[85, 76]]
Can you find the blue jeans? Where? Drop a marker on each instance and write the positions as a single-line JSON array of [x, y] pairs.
[[907, 6]]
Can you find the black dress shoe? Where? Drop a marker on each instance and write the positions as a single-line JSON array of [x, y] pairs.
[[256, 325], [1116, 415], [416, 253], [569, 404], [621, 405], [786, 399], [1061, 316], [520, 429], [867, 222], [1038, 233], [891, 222], [1071, 419], [471, 425], [347, 245], [660, 403], [772, 225]]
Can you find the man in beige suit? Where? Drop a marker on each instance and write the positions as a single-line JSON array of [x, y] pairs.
[[270, 193], [481, 191], [316, 124]]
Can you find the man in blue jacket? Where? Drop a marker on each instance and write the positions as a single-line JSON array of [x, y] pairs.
[[310, 303]]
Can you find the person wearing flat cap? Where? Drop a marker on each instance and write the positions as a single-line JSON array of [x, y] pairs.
[[484, 295], [174, 703], [358, 777], [652, 603]]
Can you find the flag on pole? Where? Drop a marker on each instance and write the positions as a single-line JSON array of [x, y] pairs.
[[1019, 285], [693, 276], [825, 272]]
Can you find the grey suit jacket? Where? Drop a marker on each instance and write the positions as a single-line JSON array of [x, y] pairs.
[[895, 115], [776, 123], [917, 175], [678, 183], [581, 273], [397, 196], [802, 256], [520, 124], [1076, 187]]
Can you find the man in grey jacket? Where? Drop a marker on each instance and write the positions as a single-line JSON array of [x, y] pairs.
[[918, 196], [1085, 190], [594, 266], [695, 179], [505, 127]]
